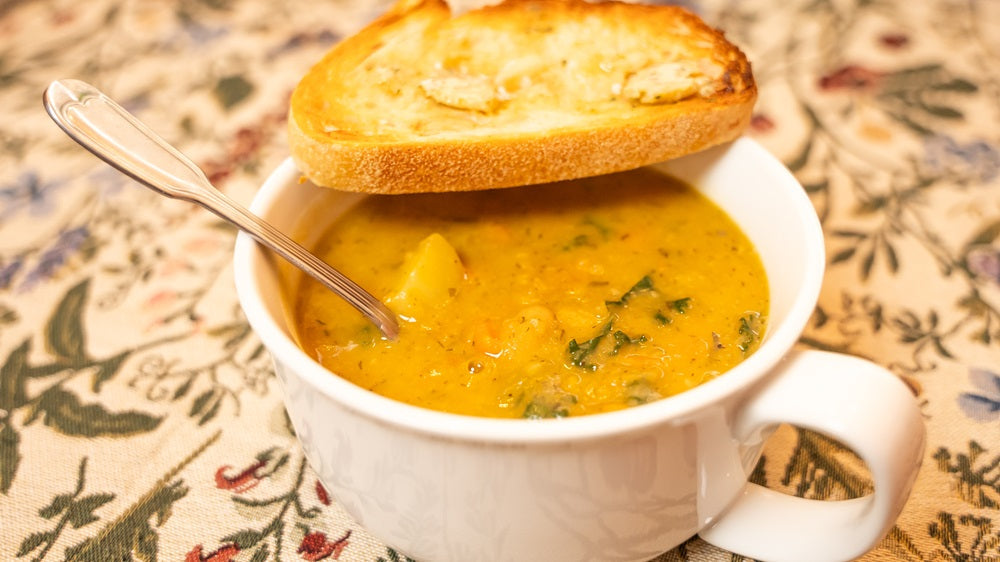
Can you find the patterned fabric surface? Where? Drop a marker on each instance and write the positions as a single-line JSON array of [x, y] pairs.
[[139, 416]]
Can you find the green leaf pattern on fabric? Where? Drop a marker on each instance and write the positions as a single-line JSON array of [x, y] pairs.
[[139, 415]]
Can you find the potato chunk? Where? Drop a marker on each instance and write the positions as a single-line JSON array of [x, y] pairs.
[[431, 275]]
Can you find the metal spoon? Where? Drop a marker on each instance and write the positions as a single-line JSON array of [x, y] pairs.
[[103, 127]]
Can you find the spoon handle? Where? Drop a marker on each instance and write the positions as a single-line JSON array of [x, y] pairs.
[[113, 134]]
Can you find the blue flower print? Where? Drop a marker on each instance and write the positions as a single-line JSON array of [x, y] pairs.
[[200, 34], [984, 404], [8, 270], [53, 258], [109, 182], [28, 192], [984, 262], [975, 160]]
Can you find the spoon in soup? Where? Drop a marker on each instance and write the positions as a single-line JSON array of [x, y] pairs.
[[106, 129]]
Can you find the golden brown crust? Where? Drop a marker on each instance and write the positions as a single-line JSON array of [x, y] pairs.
[[414, 137]]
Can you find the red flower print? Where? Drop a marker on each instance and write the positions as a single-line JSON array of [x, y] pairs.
[[222, 554], [245, 480], [761, 123], [324, 498], [315, 546], [242, 148], [60, 18], [851, 77], [894, 40], [160, 299], [265, 464]]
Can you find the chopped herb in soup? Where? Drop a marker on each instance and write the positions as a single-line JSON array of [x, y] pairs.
[[540, 302]]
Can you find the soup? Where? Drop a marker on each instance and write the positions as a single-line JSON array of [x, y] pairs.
[[559, 300]]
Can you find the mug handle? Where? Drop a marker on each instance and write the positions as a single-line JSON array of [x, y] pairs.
[[866, 408]]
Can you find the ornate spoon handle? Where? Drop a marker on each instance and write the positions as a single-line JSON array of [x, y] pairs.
[[113, 134]]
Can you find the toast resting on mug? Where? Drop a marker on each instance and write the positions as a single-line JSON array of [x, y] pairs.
[[524, 92]]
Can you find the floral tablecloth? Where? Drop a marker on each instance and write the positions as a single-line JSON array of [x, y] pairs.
[[139, 416]]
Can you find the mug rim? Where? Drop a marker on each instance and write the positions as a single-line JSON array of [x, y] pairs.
[[249, 261]]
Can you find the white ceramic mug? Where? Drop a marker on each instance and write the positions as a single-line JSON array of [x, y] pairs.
[[625, 485]]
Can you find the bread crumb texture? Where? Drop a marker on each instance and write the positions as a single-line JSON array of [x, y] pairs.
[[516, 70]]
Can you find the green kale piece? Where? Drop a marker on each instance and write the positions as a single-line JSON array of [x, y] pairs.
[[680, 305], [622, 339], [578, 353], [550, 403], [644, 284], [749, 332]]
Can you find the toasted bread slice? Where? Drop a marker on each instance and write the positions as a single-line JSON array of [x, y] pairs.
[[524, 92]]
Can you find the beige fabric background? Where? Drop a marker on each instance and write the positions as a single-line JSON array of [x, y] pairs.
[[140, 419]]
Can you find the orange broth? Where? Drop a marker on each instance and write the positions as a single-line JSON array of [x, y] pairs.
[[558, 300]]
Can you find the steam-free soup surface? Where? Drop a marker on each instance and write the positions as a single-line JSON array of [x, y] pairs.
[[544, 301]]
